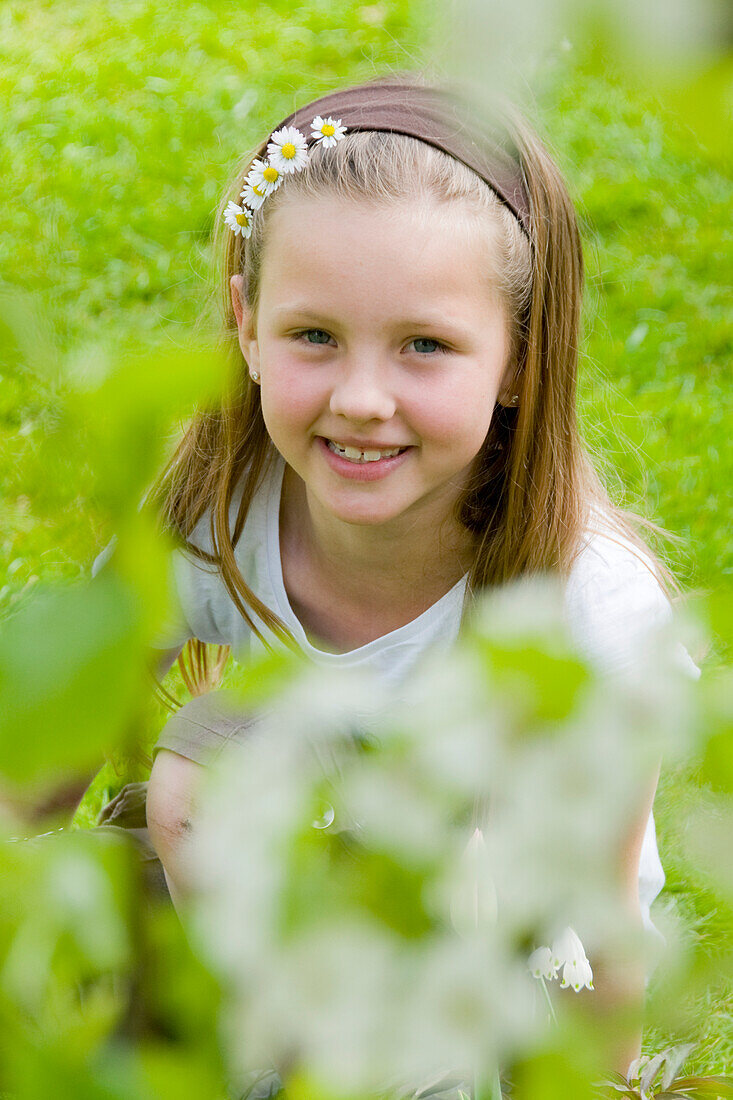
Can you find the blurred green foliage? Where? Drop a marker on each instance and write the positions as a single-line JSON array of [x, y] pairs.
[[99, 998], [52, 693]]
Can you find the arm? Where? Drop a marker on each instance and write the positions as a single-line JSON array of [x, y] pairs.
[[172, 790]]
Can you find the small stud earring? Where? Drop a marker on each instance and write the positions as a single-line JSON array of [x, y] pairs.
[[515, 399], [254, 375]]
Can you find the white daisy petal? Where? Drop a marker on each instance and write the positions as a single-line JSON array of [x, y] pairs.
[[253, 196], [238, 219], [327, 131], [265, 177], [287, 150]]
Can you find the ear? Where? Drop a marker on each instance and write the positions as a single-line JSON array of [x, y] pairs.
[[245, 324]]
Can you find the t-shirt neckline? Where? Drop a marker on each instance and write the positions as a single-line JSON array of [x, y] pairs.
[[409, 633]]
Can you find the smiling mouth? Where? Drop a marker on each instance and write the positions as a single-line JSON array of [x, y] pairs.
[[354, 454]]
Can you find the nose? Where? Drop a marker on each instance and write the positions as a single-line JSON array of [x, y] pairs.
[[362, 393]]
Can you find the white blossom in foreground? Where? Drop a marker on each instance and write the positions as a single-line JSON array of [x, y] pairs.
[[471, 808], [474, 904]]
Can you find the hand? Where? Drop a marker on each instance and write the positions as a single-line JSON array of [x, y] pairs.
[[127, 809]]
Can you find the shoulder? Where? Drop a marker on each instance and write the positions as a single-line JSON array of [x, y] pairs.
[[200, 537], [202, 599], [614, 601]]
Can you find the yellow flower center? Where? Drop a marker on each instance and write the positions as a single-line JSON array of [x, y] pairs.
[[328, 130], [270, 174], [257, 190], [288, 150], [242, 219]]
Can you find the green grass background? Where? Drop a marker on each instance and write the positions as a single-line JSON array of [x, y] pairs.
[[120, 126]]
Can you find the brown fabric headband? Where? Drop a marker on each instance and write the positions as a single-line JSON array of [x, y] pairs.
[[434, 116]]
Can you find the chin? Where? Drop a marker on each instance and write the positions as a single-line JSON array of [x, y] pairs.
[[363, 513], [360, 518]]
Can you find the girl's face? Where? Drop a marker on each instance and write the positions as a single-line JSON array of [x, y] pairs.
[[381, 350]]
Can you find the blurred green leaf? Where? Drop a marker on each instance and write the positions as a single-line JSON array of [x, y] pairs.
[[180, 1072], [333, 873], [716, 732], [302, 1085], [708, 839], [553, 1074], [66, 900], [71, 675], [263, 676], [122, 418], [544, 686], [38, 1068], [184, 996]]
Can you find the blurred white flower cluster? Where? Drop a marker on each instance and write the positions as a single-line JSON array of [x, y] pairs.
[[390, 942]]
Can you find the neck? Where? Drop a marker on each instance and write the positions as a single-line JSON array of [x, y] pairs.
[[413, 560]]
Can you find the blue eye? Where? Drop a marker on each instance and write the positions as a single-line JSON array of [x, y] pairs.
[[432, 345], [316, 332]]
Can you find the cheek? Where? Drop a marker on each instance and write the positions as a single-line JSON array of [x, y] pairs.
[[460, 414], [290, 394]]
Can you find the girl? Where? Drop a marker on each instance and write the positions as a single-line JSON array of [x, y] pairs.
[[403, 289]]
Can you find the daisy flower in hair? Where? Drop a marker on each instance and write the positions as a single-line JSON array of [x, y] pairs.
[[264, 177], [287, 150], [238, 219], [327, 131], [253, 195]]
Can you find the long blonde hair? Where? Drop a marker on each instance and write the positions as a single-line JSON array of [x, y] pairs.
[[533, 485]]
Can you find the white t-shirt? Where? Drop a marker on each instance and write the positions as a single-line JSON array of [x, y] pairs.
[[612, 600]]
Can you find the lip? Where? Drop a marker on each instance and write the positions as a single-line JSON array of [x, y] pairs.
[[362, 444], [362, 471]]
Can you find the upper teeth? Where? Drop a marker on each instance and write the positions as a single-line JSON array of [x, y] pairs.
[[353, 454]]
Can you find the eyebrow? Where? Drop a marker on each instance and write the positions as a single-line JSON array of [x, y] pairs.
[[297, 311], [414, 324]]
